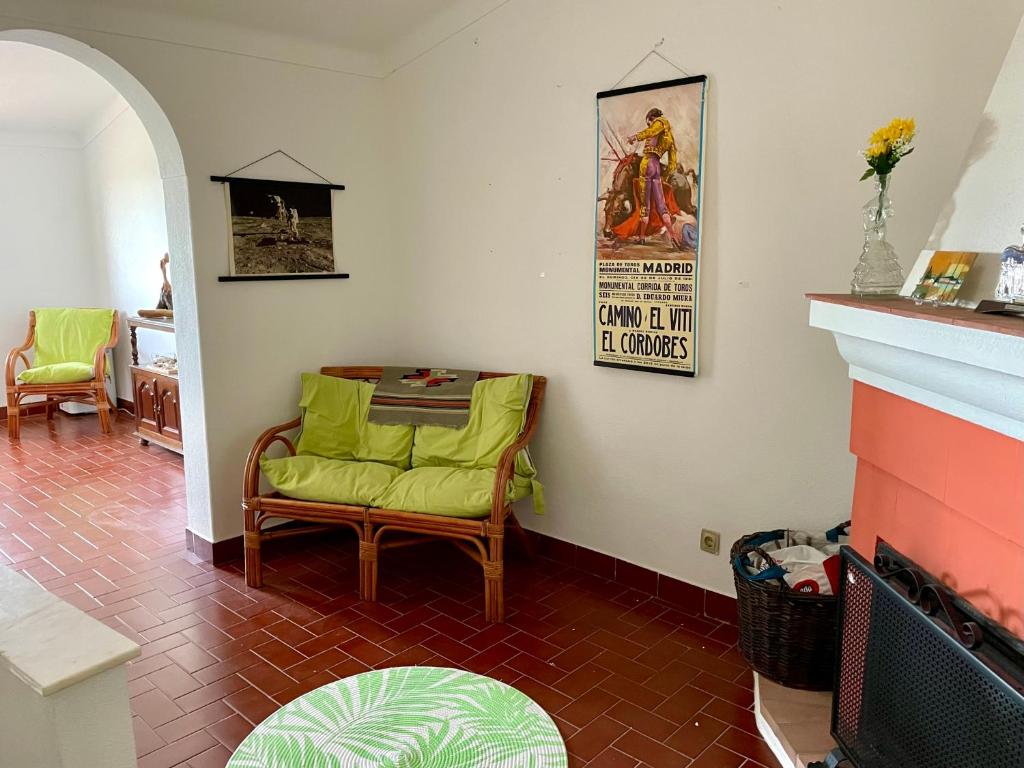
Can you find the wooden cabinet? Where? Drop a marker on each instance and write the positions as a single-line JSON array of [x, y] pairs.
[[144, 395], [168, 411], [157, 414]]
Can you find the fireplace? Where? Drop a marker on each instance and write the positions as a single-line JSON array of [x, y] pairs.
[[923, 680], [937, 428]]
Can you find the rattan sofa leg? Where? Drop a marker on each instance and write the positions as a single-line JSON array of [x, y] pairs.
[[368, 553], [50, 407], [13, 417], [494, 581], [494, 597], [253, 555], [253, 561], [103, 409]]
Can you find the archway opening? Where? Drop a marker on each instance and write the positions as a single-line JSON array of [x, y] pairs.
[[170, 169]]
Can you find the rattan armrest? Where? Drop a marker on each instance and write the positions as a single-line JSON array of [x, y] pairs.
[[251, 481], [19, 352], [99, 362], [507, 462]]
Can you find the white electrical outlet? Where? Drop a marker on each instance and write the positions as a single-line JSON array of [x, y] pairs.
[[710, 541]]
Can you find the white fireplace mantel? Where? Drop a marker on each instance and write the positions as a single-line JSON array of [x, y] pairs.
[[952, 360]]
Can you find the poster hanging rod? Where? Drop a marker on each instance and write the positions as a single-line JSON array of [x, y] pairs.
[[295, 276], [243, 180]]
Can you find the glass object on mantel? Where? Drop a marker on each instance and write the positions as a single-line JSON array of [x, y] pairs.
[[1011, 274], [878, 273]]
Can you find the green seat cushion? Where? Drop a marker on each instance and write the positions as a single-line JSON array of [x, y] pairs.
[[447, 491], [71, 335], [334, 424], [496, 416], [57, 373], [314, 478]]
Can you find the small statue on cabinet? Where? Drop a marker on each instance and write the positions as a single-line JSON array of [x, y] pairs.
[[165, 304], [166, 301]]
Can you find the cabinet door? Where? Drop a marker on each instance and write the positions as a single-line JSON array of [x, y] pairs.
[[146, 408], [168, 413]]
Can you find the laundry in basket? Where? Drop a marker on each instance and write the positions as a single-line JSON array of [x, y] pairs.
[[808, 563]]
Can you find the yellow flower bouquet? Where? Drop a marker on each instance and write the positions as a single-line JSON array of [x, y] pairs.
[[878, 273], [888, 145]]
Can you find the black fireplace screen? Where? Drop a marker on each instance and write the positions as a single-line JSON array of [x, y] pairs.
[[910, 693]]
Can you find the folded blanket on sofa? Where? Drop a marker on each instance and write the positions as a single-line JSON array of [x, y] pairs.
[[419, 396]]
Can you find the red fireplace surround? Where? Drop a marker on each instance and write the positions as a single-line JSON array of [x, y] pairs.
[[947, 493], [937, 428]]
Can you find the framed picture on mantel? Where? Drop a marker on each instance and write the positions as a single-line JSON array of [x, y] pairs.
[[944, 276], [647, 243]]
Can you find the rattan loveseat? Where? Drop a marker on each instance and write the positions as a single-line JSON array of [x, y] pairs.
[[481, 537]]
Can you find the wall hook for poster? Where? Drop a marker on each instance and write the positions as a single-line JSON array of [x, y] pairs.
[[226, 176], [653, 52]]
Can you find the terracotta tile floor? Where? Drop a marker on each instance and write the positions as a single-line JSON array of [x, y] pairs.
[[630, 680]]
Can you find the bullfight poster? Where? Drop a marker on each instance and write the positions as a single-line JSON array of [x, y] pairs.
[[647, 256]]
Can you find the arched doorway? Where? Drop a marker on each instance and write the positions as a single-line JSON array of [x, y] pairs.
[[179, 239]]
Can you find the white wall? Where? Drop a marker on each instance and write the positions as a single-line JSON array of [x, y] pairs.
[[47, 251], [129, 230], [470, 172], [257, 337], [494, 138], [986, 210]]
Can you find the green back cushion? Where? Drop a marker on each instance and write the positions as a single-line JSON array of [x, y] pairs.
[[70, 335], [496, 416], [313, 478], [334, 424]]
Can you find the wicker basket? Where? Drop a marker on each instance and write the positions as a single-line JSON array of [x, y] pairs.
[[787, 636]]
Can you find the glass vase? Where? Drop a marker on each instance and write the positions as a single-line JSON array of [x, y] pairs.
[[878, 273]]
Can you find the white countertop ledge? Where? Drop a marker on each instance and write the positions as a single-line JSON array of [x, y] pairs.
[[49, 644]]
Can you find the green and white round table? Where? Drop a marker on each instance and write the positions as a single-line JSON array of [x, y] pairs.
[[406, 717]]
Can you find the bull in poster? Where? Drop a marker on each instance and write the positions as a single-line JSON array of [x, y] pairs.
[[648, 226]]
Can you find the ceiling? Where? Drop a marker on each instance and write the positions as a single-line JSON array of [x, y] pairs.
[[358, 37], [47, 93], [358, 25]]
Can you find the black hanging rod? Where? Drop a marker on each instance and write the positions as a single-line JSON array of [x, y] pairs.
[[295, 276], [243, 180]]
